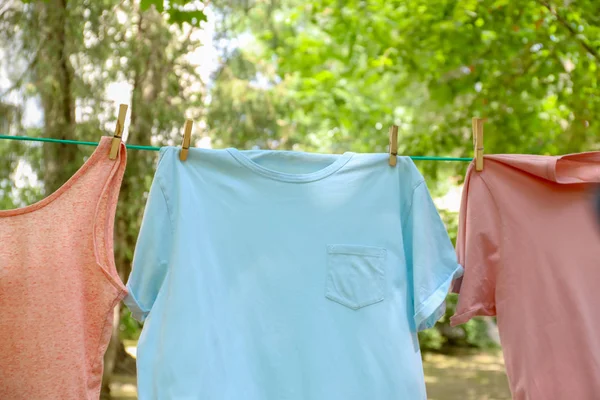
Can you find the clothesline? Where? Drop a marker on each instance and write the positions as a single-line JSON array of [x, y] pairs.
[[154, 148], [77, 142]]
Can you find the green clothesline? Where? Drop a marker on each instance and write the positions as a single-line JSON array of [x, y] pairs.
[[66, 141], [154, 148]]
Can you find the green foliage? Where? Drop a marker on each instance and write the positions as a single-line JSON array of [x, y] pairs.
[[178, 11], [451, 221], [343, 74], [473, 334], [431, 339], [129, 328]]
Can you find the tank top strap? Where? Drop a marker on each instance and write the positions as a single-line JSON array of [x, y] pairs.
[[111, 171]]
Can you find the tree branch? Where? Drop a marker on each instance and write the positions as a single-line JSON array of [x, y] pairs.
[[66, 72], [117, 6], [572, 31]]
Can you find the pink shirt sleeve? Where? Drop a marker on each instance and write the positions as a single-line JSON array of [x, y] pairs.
[[478, 250]]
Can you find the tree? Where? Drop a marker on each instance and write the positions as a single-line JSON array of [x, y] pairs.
[[349, 71]]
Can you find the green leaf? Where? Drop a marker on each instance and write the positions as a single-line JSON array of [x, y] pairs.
[[191, 17], [158, 4], [500, 3]]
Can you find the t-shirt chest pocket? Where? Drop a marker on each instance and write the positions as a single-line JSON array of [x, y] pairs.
[[355, 275]]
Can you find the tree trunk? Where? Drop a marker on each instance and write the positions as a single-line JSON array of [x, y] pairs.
[[110, 356], [54, 78]]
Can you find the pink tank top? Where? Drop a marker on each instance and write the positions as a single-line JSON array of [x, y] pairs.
[[59, 285]]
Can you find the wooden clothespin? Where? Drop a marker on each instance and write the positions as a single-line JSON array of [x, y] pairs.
[[478, 142], [187, 139], [116, 141], [393, 145]]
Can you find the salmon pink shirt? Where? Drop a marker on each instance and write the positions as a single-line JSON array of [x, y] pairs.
[[59, 286], [530, 245]]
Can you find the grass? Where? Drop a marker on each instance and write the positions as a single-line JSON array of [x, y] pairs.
[[466, 376], [463, 375]]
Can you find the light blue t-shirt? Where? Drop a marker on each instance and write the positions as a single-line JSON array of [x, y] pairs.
[[272, 275]]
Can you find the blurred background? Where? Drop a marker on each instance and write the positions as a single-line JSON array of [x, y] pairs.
[[311, 75]]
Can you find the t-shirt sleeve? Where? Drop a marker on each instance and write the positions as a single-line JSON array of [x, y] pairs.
[[150, 260], [430, 257], [477, 247]]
